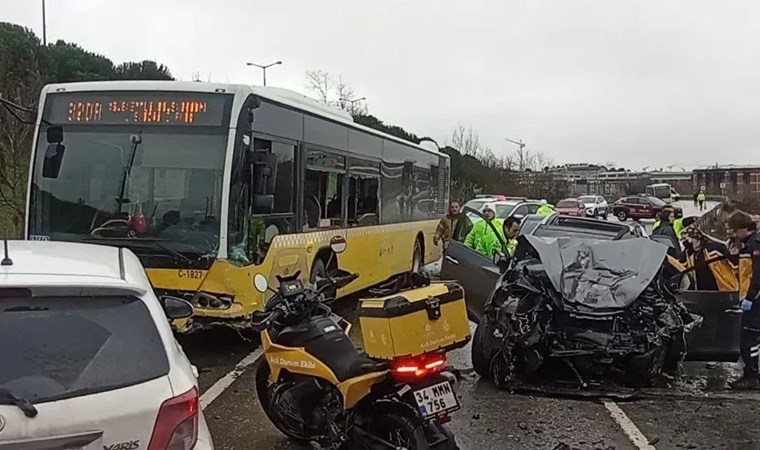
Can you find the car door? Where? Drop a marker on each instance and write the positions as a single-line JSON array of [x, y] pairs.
[[475, 272], [717, 338]]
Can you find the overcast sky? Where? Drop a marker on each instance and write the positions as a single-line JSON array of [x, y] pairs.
[[635, 82]]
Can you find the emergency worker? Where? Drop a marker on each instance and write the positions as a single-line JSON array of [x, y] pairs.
[[665, 228], [545, 209], [745, 229], [701, 198], [678, 226], [446, 226], [717, 275], [511, 230], [483, 237]]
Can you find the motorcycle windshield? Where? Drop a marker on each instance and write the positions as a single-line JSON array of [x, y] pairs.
[[598, 274]]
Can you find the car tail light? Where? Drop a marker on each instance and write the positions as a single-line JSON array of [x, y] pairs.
[[176, 426], [417, 367]]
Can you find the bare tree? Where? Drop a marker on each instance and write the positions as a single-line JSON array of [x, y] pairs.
[[466, 140], [320, 83]]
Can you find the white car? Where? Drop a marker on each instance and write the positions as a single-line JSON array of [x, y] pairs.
[[596, 205], [89, 360]]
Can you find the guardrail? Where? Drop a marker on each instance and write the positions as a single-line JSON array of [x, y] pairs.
[[711, 221]]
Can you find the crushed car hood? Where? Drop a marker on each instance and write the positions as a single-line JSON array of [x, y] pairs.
[[599, 274]]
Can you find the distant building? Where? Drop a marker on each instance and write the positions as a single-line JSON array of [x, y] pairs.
[[731, 180]]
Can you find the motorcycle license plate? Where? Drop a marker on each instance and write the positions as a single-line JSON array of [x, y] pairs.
[[436, 399]]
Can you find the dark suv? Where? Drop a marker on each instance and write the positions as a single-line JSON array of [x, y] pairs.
[[641, 207]]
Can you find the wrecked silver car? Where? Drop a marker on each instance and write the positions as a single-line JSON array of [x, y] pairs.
[[585, 310]]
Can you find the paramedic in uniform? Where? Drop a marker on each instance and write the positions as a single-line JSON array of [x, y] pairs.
[[749, 290]]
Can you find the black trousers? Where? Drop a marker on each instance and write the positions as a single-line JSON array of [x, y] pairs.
[[750, 343]]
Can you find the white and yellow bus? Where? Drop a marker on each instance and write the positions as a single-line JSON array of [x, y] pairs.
[[210, 184]]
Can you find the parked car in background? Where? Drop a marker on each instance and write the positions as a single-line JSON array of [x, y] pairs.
[[641, 207], [571, 207], [89, 358], [512, 206], [596, 205]]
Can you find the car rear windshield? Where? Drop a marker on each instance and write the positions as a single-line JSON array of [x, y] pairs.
[[61, 347], [568, 204]]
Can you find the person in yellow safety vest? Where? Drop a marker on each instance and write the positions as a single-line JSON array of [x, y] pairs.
[[545, 209], [482, 238], [701, 198], [511, 230], [677, 225]]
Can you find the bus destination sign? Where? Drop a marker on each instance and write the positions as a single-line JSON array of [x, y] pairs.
[[139, 108]]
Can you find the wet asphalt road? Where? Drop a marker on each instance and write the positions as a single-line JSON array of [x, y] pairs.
[[698, 413]]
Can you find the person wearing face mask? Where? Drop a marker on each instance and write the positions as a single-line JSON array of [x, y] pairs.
[[483, 237], [708, 262], [745, 229], [445, 229]]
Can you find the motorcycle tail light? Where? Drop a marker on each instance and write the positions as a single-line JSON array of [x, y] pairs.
[[417, 367]]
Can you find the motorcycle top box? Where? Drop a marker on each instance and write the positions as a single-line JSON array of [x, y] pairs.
[[411, 322]]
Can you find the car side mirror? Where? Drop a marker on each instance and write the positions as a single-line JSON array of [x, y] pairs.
[[176, 308], [51, 166]]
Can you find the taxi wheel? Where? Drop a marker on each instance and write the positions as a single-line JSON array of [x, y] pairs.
[[622, 216]]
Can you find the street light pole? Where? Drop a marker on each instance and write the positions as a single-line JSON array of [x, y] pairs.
[[352, 102], [264, 68], [44, 25]]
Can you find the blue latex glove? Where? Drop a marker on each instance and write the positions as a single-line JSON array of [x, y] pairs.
[[746, 305]]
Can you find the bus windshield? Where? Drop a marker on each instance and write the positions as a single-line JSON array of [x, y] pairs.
[[168, 192]]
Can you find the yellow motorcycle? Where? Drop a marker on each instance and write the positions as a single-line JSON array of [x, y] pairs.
[[315, 386]]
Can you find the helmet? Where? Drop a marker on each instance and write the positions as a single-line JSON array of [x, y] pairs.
[[543, 201], [488, 206]]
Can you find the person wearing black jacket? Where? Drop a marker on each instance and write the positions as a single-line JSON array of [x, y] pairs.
[[667, 216], [749, 292]]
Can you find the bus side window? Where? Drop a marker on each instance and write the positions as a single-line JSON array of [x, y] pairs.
[[323, 189], [363, 191]]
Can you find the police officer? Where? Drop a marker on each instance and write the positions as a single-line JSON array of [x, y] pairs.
[[483, 237], [745, 229], [545, 209]]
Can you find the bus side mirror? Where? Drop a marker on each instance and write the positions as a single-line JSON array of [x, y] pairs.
[[54, 135], [51, 167]]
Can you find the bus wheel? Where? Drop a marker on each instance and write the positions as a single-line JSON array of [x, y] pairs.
[[417, 257], [318, 270]]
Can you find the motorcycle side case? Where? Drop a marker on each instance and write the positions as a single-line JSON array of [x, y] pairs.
[[415, 321]]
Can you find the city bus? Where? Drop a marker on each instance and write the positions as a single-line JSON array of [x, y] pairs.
[[663, 191], [211, 184]]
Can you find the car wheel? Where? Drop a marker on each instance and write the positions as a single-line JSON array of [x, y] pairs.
[[622, 216], [484, 347]]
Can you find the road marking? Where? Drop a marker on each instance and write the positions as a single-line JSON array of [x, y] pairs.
[[226, 381], [629, 428]]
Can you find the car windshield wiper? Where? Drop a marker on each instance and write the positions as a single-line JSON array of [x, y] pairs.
[[155, 242], [6, 395]]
